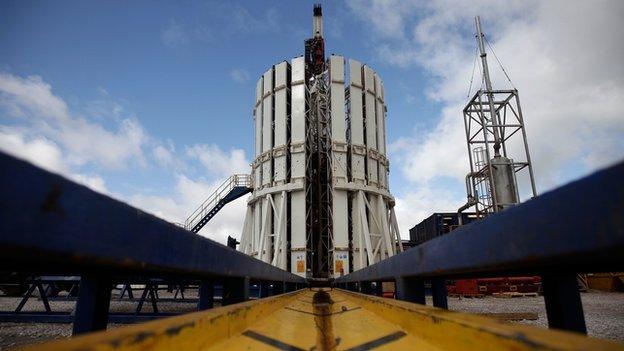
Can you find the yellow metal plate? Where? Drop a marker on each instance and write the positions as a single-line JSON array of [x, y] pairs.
[[327, 320]]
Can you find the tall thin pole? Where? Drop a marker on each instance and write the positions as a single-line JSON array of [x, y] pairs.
[[488, 87]]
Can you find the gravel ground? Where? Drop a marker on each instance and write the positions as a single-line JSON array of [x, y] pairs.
[[16, 334], [604, 315], [604, 312]]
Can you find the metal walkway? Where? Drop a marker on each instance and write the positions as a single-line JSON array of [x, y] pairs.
[[329, 320], [233, 188]]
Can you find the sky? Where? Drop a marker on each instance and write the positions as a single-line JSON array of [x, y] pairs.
[[150, 102]]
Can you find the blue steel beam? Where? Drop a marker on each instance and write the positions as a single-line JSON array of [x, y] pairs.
[[576, 228], [50, 224]]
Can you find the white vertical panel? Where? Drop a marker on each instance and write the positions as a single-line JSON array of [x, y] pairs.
[[373, 220], [297, 129], [267, 128], [258, 117], [382, 209], [358, 149], [257, 227], [357, 242], [257, 164], [340, 221], [381, 133], [371, 125], [280, 137], [267, 220], [340, 216], [246, 241], [298, 235], [336, 69], [339, 138], [297, 149], [279, 231]]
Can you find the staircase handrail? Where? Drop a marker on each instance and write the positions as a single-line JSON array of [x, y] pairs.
[[236, 180]]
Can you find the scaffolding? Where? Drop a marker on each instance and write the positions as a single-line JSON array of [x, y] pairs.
[[493, 124], [319, 178]]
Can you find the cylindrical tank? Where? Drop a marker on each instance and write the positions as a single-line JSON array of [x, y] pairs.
[[364, 225], [505, 187]]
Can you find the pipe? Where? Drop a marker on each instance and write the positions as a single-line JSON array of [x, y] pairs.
[[317, 22], [471, 199]]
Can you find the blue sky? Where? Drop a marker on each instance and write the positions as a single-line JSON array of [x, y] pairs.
[[151, 101]]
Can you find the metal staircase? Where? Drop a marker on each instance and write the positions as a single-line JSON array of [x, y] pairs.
[[233, 188]]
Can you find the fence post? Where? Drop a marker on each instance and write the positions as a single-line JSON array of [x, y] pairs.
[[288, 286], [563, 302], [278, 288], [264, 289], [410, 289], [235, 290], [93, 303], [206, 295], [366, 288], [439, 292]]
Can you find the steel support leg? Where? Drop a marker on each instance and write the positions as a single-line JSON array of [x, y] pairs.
[[439, 292], [366, 288], [278, 288], [410, 289], [153, 292], [206, 295], [93, 303], [142, 299], [563, 302], [128, 288], [27, 296], [264, 289], [235, 290]]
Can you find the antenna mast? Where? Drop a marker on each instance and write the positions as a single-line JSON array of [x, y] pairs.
[[488, 87]]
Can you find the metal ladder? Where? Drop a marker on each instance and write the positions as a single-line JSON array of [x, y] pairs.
[[233, 188]]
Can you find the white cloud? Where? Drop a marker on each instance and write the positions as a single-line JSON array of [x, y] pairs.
[[419, 204], [570, 79], [38, 150], [165, 156], [218, 162], [51, 136], [23, 96], [94, 182], [46, 115], [239, 75], [242, 21], [219, 21], [333, 27], [174, 35], [46, 154], [387, 17]]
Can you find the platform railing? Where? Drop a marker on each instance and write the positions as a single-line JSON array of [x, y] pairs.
[[576, 228], [50, 225]]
